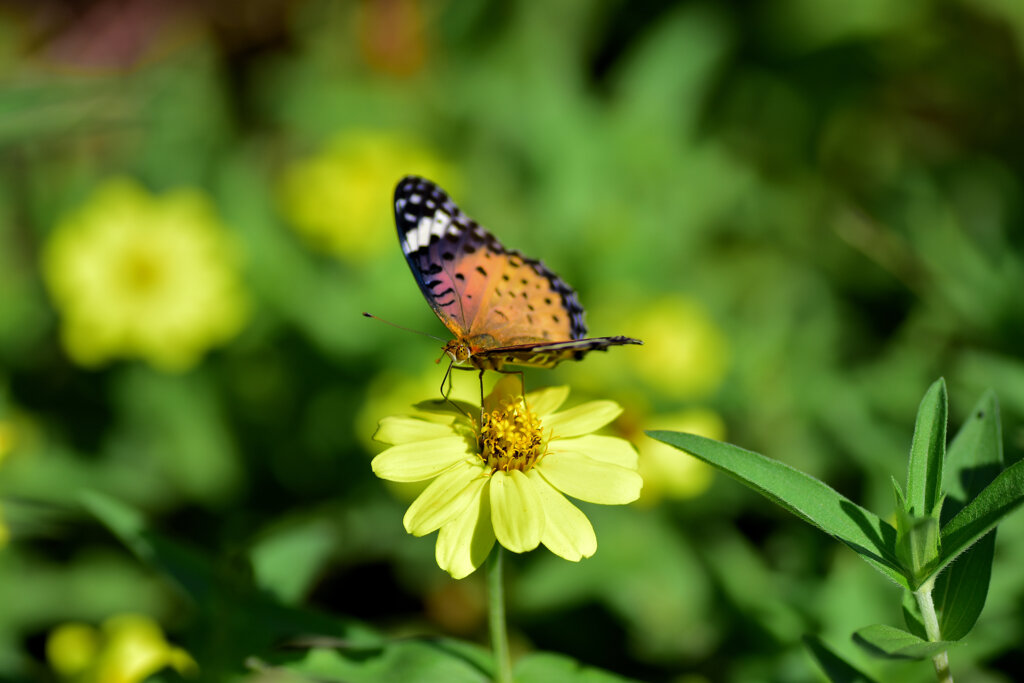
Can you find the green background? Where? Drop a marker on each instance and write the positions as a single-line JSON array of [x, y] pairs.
[[809, 212]]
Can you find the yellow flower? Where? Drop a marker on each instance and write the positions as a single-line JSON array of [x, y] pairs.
[[503, 476], [671, 473], [127, 648], [685, 354], [7, 438], [334, 199], [135, 275]]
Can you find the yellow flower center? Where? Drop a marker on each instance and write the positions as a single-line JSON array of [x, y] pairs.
[[140, 272], [511, 437]]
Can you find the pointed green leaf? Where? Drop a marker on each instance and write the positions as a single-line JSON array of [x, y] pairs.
[[901, 501], [974, 459], [541, 667], [837, 669], [924, 474], [803, 495], [982, 514], [882, 640], [975, 456], [960, 591]]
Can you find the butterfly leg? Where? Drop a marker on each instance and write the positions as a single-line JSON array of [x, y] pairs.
[[445, 393]]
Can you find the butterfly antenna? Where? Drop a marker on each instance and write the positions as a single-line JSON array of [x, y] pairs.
[[407, 329]]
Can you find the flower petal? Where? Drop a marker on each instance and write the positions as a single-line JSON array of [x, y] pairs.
[[401, 430], [546, 401], [582, 419], [594, 481], [421, 460], [465, 542], [610, 449], [447, 496], [517, 513], [508, 387], [567, 531]]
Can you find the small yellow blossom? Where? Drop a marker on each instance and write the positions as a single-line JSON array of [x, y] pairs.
[[334, 198], [685, 354], [135, 275], [127, 648], [6, 446], [5, 533], [504, 476], [669, 472], [7, 438]]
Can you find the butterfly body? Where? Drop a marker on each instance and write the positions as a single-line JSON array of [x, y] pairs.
[[502, 307]]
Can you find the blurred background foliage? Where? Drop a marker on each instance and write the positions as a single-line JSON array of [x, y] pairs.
[[808, 213]]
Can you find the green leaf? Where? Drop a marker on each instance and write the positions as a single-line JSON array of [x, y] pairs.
[[982, 514], [542, 667], [837, 669], [975, 456], [234, 617], [901, 501], [960, 591], [882, 640], [974, 459], [927, 451], [803, 495], [398, 661]]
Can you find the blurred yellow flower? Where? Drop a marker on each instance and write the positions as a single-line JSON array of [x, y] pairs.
[[685, 354], [6, 446], [505, 476], [5, 533], [134, 275], [7, 436], [127, 648], [671, 473], [339, 199]]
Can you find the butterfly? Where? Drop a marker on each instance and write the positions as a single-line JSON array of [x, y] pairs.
[[503, 308]]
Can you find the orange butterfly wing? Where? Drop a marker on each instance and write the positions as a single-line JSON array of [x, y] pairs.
[[508, 308]]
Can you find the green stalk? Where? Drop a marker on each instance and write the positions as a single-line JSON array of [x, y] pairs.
[[496, 616], [923, 596]]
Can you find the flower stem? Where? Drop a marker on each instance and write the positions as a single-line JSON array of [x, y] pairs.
[[923, 596], [496, 616]]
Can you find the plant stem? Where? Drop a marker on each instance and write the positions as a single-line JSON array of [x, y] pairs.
[[931, 626], [496, 616]]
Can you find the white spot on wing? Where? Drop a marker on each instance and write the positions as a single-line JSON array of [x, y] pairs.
[[441, 223], [423, 231], [411, 241]]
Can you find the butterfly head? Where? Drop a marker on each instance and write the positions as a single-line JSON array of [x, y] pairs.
[[457, 350]]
